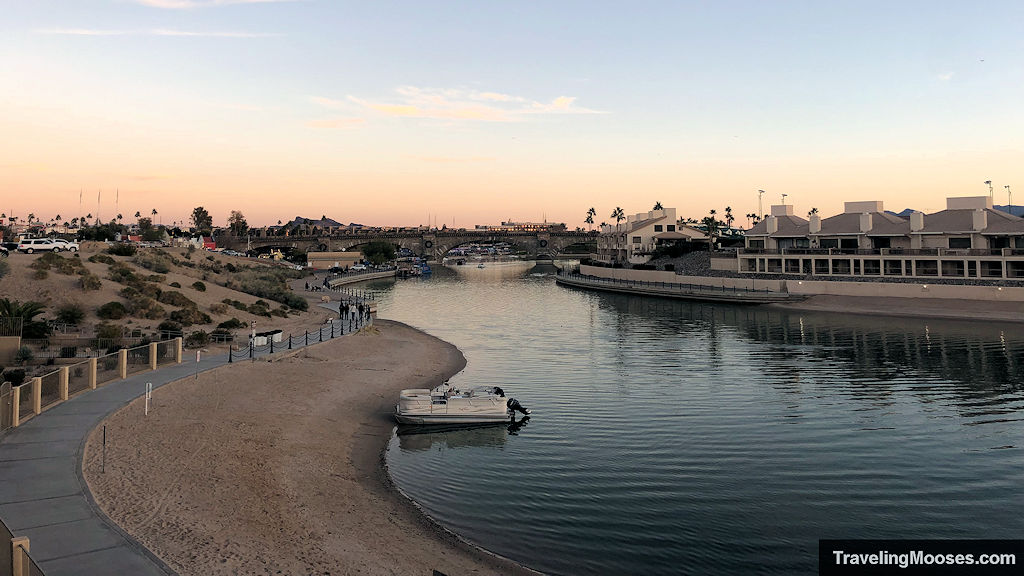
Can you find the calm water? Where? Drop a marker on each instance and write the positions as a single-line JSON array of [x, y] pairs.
[[672, 437]]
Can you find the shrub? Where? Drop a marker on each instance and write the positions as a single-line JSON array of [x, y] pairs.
[[108, 331], [70, 313], [190, 316], [122, 249], [260, 308], [176, 299], [157, 260], [209, 257], [112, 311], [670, 267], [219, 308], [169, 326], [230, 267], [221, 335], [101, 259], [40, 275], [175, 285], [199, 286], [90, 281], [232, 324], [16, 376], [4, 268], [146, 307], [197, 339], [23, 355]]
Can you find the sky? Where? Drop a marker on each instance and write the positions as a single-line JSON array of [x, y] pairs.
[[402, 113]]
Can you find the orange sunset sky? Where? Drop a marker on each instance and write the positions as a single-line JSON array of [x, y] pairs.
[[474, 113]]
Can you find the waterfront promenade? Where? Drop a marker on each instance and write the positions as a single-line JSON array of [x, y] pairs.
[[43, 495], [681, 291]]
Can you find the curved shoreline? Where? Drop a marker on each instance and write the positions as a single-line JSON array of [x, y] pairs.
[[219, 480]]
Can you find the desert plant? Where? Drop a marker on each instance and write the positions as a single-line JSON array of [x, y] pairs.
[[175, 285], [175, 299], [70, 313], [190, 316], [90, 281], [101, 259], [232, 324], [30, 328], [197, 339], [16, 376], [23, 355], [199, 286], [40, 275], [122, 249], [219, 308], [108, 331], [112, 311], [145, 307]]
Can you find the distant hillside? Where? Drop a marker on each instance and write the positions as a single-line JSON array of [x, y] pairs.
[[904, 214], [321, 222]]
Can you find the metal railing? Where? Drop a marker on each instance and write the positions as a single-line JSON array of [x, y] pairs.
[[50, 389], [78, 377], [108, 368]]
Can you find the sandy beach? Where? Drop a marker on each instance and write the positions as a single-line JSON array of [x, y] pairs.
[[276, 467]]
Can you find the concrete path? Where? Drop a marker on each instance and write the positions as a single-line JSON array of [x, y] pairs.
[[42, 492]]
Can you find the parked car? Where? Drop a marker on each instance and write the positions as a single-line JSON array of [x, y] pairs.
[[62, 244], [30, 245], [357, 267]]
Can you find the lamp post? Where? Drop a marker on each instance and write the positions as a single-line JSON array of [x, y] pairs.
[[760, 209], [990, 194], [784, 199], [1009, 198]]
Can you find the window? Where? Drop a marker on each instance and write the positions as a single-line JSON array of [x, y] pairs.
[[882, 242], [959, 243], [670, 228], [757, 244], [829, 243], [637, 240], [849, 244], [657, 227]]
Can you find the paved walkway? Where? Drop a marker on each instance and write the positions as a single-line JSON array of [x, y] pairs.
[[42, 492]]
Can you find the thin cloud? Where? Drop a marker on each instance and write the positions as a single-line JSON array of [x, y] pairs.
[[452, 159], [945, 76], [189, 4], [458, 104], [337, 123], [154, 32]]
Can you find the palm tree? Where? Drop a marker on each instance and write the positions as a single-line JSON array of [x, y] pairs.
[[729, 218], [812, 212], [590, 217], [154, 215], [31, 217], [619, 216], [29, 328], [658, 206]]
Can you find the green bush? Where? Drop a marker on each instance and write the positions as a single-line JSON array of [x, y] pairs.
[[197, 339], [146, 307], [156, 260], [16, 376], [90, 281], [175, 285], [199, 286], [232, 324], [122, 249], [101, 259], [108, 331], [260, 308], [176, 299], [40, 275], [169, 326], [112, 311], [70, 313], [23, 355], [190, 316]]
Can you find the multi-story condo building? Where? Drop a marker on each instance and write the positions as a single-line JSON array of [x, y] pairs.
[[637, 238], [966, 240]]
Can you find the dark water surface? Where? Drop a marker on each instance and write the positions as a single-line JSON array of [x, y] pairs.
[[672, 437]]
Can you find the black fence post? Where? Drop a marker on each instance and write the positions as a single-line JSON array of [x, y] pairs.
[[251, 345], [321, 332], [271, 343], [332, 329], [231, 354], [307, 337], [289, 341]]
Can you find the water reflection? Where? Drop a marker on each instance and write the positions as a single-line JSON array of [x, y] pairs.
[[453, 436]]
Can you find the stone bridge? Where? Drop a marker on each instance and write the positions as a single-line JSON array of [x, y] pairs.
[[433, 244]]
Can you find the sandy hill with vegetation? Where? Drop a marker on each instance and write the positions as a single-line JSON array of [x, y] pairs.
[[111, 288]]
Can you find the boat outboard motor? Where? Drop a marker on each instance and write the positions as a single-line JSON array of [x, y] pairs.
[[515, 406], [499, 392]]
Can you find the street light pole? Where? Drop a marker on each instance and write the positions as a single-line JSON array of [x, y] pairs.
[[760, 208], [1009, 197], [990, 194]]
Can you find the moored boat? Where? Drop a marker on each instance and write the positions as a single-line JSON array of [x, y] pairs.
[[449, 405]]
